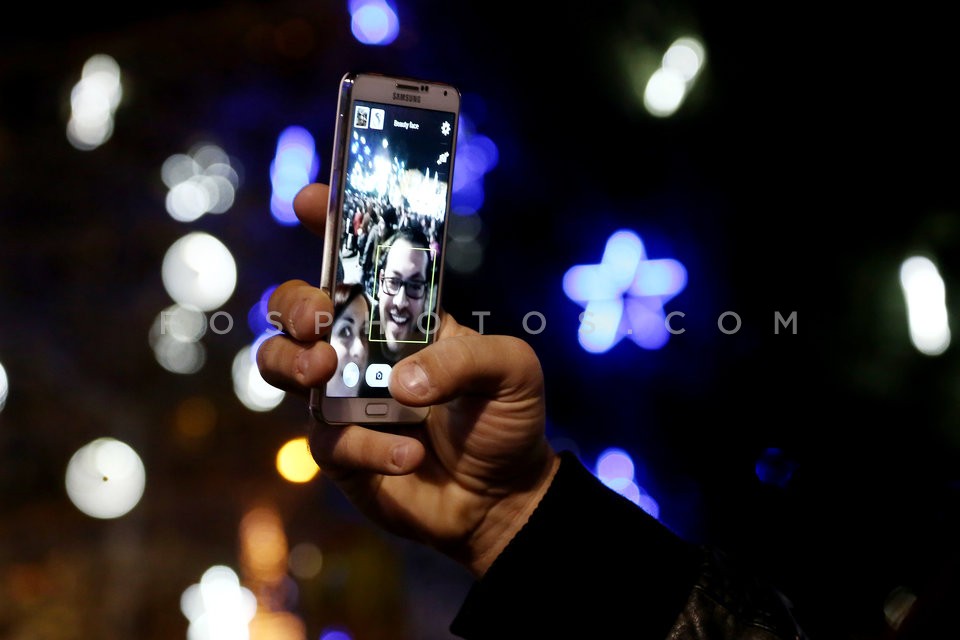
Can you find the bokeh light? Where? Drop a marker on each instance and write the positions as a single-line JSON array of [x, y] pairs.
[[477, 155], [616, 469], [263, 545], [774, 467], [93, 101], [105, 478], [624, 295], [182, 322], [249, 386], [925, 295], [665, 92], [179, 357], [614, 465], [374, 22], [258, 318], [199, 182], [199, 271], [175, 339], [295, 463], [671, 83], [686, 56], [294, 166], [4, 387], [306, 560], [218, 607]]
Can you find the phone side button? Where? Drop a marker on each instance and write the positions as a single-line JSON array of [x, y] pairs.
[[376, 409]]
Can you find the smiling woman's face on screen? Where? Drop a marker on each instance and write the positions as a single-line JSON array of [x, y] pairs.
[[349, 339]]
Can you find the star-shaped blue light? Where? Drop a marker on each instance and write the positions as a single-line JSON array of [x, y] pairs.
[[624, 295]]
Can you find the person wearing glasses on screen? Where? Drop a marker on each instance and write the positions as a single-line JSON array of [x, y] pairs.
[[404, 293]]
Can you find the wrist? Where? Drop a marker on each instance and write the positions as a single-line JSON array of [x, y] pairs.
[[508, 516]]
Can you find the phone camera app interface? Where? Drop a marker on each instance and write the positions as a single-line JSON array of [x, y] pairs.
[[394, 208]]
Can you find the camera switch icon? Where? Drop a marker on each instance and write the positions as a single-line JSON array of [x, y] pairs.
[[378, 375]]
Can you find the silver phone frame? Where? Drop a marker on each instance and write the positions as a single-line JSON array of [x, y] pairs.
[[375, 87]]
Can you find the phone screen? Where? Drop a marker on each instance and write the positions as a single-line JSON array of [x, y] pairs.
[[392, 221]]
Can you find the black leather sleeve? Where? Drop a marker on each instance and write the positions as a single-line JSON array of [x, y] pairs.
[[591, 564], [588, 561]]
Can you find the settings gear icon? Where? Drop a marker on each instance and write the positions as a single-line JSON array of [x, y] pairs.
[[445, 128]]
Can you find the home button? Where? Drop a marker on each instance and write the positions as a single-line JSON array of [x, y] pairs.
[[376, 409]]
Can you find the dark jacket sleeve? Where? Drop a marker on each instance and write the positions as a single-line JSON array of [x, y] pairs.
[[589, 563]]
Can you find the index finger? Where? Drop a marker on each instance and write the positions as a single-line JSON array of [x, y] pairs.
[[310, 205], [304, 311]]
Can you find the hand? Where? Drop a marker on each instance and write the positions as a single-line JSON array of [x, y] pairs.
[[466, 479]]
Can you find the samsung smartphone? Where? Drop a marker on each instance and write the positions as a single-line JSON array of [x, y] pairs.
[[390, 184]]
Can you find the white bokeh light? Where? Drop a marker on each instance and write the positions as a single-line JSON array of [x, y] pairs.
[[180, 357], [669, 85], [175, 338], [925, 294], [4, 387], [685, 55], [200, 182], [105, 478], [253, 391], [181, 322], [665, 92], [218, 607], [199, 271], [93, 101]]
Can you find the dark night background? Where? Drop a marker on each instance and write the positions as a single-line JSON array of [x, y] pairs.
[[816, 152]]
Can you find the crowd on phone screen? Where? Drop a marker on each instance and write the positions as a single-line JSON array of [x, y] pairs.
[[369, 221]]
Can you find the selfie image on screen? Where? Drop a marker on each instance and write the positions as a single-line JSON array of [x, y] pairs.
[[394, 206]]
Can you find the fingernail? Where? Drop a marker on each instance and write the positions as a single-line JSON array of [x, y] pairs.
[[414, 379], [399, 455]]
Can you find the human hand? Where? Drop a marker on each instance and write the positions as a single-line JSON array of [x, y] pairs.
[[468, 478]]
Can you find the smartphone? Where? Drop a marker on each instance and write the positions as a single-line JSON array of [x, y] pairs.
[[391, 179]]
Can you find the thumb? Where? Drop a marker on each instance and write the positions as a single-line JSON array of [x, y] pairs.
[[501, 367]]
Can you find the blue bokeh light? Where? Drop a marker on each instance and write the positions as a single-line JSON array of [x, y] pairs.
[[477, 155], [624, 295], [257, 318], [614, 464], [775, 468], [294, 166], [616, 469], [374, 22], [335, 634]]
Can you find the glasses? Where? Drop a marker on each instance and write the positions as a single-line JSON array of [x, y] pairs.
[[391, 287]]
